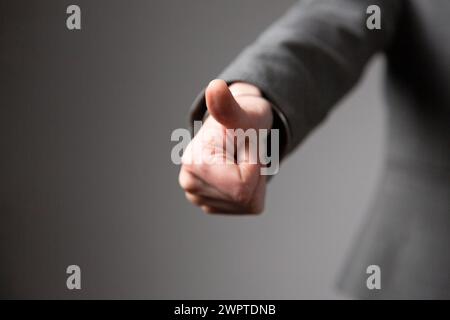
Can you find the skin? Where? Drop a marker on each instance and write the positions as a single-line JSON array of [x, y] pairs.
[[218, 187]]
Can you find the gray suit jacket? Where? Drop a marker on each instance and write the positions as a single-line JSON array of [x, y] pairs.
[[305, 62]]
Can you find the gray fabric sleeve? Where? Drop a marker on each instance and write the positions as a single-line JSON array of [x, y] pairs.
[[308, 59]]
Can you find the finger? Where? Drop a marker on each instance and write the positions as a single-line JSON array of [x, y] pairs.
[[209, 209], [195, 185], [220, 210], [223, 107], [212, 202], [214, 205], [229, 180], [255, 206]]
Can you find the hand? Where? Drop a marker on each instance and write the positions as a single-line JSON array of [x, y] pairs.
[[219, 186]]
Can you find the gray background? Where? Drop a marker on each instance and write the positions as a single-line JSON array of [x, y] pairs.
[[86, 176]]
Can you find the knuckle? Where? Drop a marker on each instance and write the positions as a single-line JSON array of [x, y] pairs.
[[242, 194], [256, 208], [187, 181], [194, 199], [208, 209]]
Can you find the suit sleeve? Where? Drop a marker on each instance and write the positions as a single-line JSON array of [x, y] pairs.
[[310, 58]]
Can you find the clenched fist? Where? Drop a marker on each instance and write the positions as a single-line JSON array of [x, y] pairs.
[[210, 175]]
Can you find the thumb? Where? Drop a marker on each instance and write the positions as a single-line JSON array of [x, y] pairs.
[[222, 106]]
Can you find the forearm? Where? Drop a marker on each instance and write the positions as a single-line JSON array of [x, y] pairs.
[[311, 57]]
